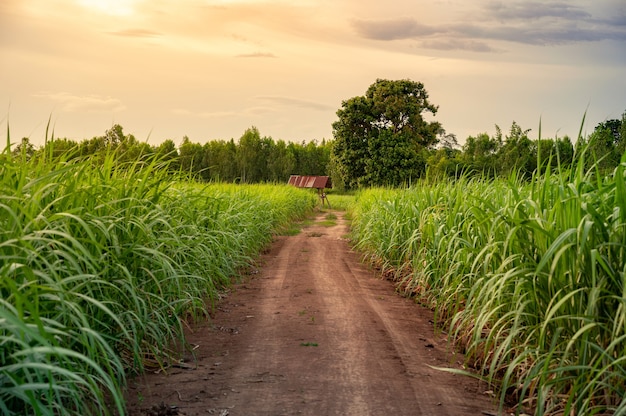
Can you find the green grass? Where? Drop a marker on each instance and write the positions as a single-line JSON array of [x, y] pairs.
[[330, 220], [291, 230], [528, 278], [100, 266], [341, 202]]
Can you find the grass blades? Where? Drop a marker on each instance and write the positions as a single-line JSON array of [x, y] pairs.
[[100, 266], [530, 279]]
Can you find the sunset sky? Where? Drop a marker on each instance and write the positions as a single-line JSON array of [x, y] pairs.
[[210, 69]]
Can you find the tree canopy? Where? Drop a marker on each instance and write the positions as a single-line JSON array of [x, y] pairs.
[[380, 138]]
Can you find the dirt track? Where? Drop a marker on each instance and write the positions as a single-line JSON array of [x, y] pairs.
[[314, 332]]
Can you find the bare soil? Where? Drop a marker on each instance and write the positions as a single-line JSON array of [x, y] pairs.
[[313, 331]]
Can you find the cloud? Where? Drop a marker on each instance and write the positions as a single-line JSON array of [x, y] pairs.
[[257, 55], [91, 103], [457, 44], [445, 37], [554, 34], [531, 23], [297, 102], [550, 23], [535, 10], [392, 29], [136, 33], [617, 20]]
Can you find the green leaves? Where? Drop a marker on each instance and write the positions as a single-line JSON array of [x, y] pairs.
[[529, 278], [99, 265], [379, 136]]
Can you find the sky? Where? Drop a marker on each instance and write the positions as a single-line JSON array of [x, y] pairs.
[[210, 69]]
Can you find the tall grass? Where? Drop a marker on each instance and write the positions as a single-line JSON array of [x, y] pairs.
[[341, 201], [530, 279], [100, 266]]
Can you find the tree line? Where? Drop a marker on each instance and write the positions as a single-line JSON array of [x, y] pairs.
[[503, 154], [382, 138], [251, 159]]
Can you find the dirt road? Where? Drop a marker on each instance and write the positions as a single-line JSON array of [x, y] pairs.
[[314, 332]]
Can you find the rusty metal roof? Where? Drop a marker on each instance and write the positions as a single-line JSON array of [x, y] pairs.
[[318, 182]]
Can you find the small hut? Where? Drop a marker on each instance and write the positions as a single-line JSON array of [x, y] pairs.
[[317, 182]]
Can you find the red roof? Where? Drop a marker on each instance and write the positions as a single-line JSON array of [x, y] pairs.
[[319, 182]]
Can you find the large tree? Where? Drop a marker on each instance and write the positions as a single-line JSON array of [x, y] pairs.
[[380, 137]]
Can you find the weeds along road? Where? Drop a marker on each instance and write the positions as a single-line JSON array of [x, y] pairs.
[[313, 332]]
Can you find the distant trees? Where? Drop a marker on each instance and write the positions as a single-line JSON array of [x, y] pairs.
[[480, 154], [251, 159], [167, 153], [190, 158], [515, 152], [282, 162], [441, 161], [607, 143], [380, 137], [25, 149]]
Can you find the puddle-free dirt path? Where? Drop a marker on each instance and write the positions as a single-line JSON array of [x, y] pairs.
[[314, 332]]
